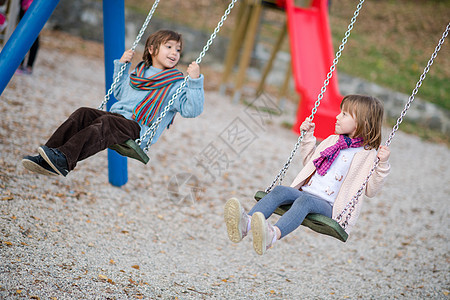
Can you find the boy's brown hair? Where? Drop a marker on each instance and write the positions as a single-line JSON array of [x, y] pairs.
[[368, 113], [155, 40]]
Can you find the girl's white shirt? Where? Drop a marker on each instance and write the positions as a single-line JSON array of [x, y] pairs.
[[327, 187]]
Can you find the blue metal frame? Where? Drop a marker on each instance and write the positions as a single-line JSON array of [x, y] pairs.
[[23, 37], [28, 30], [114, 46]]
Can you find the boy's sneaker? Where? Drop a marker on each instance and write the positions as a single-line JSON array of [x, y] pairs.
[[263, 233], [55, 158], [236, 219], [38, 165]]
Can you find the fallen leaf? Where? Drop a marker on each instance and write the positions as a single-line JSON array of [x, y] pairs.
[[135, 267], [102, 277]]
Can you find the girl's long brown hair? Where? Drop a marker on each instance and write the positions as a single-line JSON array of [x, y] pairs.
[[368, 113], [155, 40]]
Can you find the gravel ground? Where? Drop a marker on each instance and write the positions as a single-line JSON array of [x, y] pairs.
[[162, 234]]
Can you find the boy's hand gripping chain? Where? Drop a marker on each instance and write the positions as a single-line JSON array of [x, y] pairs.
[[152, 130]]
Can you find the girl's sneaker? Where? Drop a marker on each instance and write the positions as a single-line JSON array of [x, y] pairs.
[[236, 219], [263, 233]]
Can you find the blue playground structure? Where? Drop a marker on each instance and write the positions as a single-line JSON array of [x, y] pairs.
[[114, 45]]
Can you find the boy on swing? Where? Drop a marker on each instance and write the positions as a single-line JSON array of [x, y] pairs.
[[141, 96]]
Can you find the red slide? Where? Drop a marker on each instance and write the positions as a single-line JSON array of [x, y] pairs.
[[312, 56]]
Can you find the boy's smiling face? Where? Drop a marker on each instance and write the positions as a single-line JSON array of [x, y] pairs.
[[167, 56]]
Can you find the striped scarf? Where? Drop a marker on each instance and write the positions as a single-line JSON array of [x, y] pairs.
[[327, 156], [158, 86]]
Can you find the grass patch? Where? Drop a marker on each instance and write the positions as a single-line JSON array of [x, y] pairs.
[[424, 133], [392, 42]]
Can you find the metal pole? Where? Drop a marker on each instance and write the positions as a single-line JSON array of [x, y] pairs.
[[114, 46], [23, 37]]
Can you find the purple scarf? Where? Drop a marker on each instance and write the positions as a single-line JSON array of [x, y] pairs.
[[327, 156]]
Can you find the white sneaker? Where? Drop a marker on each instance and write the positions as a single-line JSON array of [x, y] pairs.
[[263, 233], [236, 220]]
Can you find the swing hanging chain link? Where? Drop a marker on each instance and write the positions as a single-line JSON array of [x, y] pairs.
[[279, 178], [151, 131], [350, 207], [124, 66]]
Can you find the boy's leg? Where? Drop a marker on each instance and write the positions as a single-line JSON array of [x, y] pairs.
[[280, 195], [105, 131], [301, 207], [78, 120]]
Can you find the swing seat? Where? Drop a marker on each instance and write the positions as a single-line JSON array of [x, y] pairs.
[[317, 222], [132, 150]]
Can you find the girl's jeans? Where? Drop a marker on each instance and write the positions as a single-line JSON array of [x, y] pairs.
[[88, 131], [302, 204]]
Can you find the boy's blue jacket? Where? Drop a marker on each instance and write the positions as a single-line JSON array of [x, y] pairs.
[[189, 103]]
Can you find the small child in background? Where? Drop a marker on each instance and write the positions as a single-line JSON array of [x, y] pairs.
[[27, 68], [140, 95], [333, 173], [3, 21]]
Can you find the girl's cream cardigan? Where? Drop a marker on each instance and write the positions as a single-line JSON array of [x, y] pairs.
[[360, 167]]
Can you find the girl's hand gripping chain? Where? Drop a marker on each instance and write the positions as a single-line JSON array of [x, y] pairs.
[[383, 153], [307, 125]]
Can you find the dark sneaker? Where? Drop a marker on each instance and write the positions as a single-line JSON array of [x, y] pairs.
[[38, 165], [55, 158]]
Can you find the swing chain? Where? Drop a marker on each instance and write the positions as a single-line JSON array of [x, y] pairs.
[[350, 207], [279, 178], [124, 66], [151, 131]]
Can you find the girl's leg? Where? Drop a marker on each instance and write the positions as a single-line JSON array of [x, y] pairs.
[[280, 195], [301, 207]]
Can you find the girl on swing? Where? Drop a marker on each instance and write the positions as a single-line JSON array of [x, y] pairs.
[[140, 97], [333, 172]]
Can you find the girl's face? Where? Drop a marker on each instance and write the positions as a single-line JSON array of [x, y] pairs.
[[345, 124], [167, 56]]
